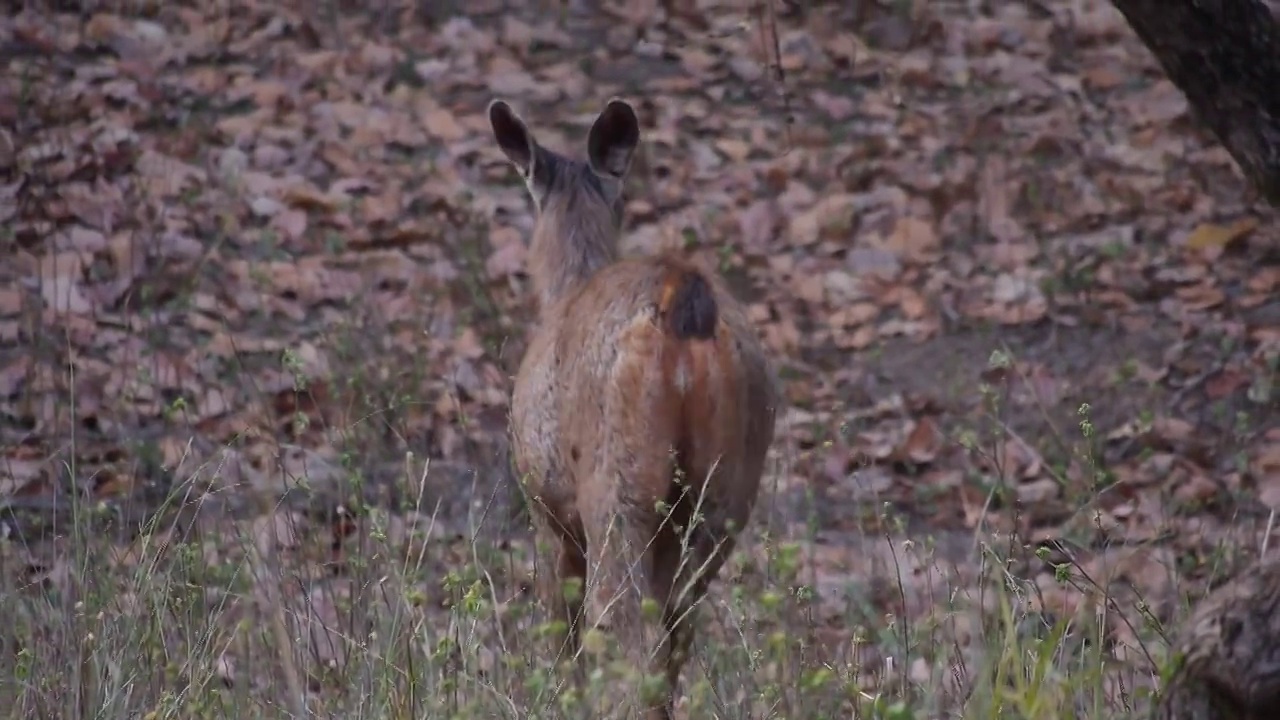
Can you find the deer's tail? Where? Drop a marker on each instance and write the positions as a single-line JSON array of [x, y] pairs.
[[687, 304]]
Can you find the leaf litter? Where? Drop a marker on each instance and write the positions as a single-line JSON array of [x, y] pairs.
[[1008, 281]]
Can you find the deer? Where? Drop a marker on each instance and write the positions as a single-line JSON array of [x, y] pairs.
[[641, 412]]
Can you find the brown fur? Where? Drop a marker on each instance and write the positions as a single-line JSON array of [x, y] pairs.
[[642, 410]]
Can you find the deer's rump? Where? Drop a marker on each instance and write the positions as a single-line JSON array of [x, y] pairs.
[[653, 382]]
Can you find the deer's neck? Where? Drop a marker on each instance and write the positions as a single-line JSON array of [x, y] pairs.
[[563, 262]]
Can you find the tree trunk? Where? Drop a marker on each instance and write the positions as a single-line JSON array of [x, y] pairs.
[[1225, 57], [1227, 653]]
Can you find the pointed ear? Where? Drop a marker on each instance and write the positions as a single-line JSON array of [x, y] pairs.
[[513, 137], [613, 139]]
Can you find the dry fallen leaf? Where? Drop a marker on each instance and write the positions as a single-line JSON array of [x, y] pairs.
[[854, 315], [442, 124], [1212, 235], [913, 240], [831, 214], [60, 283], [1266, 468], [922, 443]]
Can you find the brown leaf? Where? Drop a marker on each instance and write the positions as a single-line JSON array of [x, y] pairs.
[[291, 223], [508, 256], [383, 207], [1225, 383], [110, 483], [1266, 467], [1264, 280], [854, 315], [860, 338], [442, 124], [1038, 491], [735, 150], [809, 288], [15, 374], [912, 304], [782, 337], [837, 107], [1017, 459], [61, 275], [10, 301], [506, 260], [1104, 77], [308, 197], [913, 240], [1174, 430], [996, 203], [922, 443], [168, 176], [832, 214], [758, 224], [1197, 489], [1212, 235], [468, 344]]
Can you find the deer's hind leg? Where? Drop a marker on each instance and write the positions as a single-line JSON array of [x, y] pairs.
[[560, 581], [621, 516], [621, 581], [695, 550], [620, 537]]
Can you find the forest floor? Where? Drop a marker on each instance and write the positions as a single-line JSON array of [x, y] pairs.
[[265, 291]]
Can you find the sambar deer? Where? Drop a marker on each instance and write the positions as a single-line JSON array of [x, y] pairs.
[[641, 413]]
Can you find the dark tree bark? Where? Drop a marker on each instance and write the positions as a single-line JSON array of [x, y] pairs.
[[1225, 57], [1228, 653]]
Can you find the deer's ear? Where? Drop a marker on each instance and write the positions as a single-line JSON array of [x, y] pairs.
[[536, 166], [513, 137], [613, 140]]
